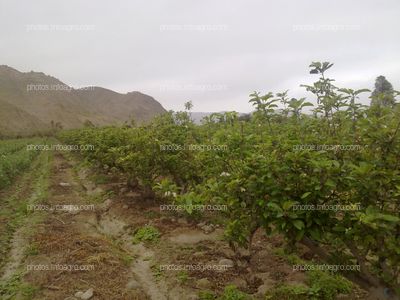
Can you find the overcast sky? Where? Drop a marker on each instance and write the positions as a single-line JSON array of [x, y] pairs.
[[213, 52]]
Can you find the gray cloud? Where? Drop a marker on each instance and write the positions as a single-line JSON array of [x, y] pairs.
[[211, 52]]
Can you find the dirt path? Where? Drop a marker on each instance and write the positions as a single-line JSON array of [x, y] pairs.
[[50, 247], [73, 258], [81, 253]]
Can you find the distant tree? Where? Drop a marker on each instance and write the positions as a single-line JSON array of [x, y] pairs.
[[216, 118], [133, 122], [383, 93], [184, 117], [58, 126], [244, 117], [231, 117], [55, 126], [88, 123], [188, 106]]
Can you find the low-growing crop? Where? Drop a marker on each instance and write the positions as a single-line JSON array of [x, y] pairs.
[[15, 157]]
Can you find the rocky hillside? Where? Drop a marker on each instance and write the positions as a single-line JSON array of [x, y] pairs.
[[33, 102]]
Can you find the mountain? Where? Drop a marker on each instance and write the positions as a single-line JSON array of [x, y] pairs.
[[31, 102]]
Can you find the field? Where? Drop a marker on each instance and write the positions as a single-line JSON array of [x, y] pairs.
[[15, 157], [280, 204]]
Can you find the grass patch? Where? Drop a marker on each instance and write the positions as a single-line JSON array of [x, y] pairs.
[[157, 272], [31, 250], [292, 292], [320, 284], [15, 288], [146, 233], [15, 211], [183, 276], [328, 285], [206, 295], [99, 178], [38, 178], [231, 292]]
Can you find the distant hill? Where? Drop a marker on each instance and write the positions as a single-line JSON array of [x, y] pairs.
[[198, 116], [31, 102]]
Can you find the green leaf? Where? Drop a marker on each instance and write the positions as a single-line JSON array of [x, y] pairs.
[[305, 195], [330, 183], [300, 235], [299, 224], [274, 206], [288, 204], [315, 234], [388, 218]]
